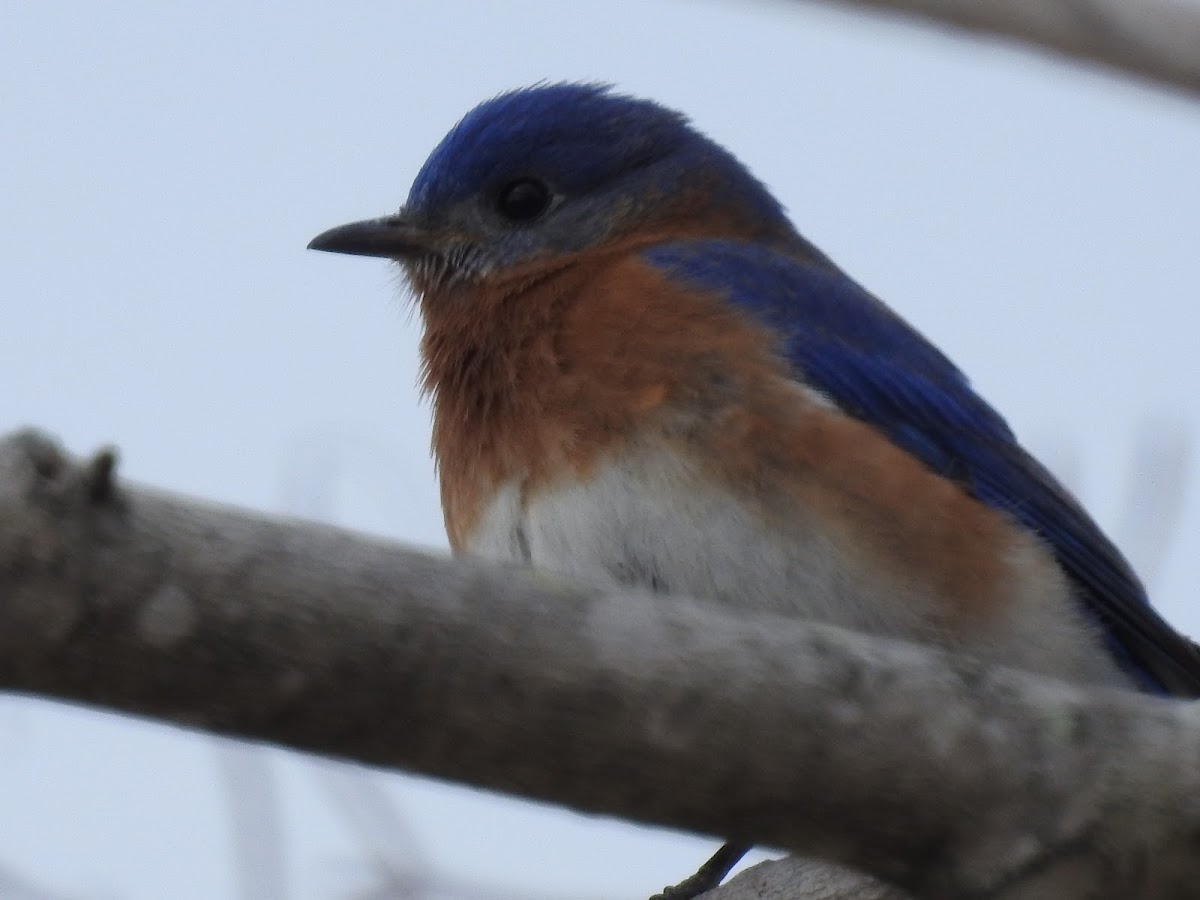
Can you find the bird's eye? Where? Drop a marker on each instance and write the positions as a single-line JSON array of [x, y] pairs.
[[523, 200]]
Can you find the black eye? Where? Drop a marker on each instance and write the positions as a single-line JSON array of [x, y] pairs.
[[523, 200]]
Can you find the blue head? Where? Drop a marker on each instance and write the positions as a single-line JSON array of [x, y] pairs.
[[555, 169]]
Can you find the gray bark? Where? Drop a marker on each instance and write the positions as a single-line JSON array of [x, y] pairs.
[[930, 772]]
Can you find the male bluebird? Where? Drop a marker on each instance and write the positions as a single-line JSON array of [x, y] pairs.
[[640, 369]]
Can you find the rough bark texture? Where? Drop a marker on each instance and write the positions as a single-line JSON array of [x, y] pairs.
[[930, 772]]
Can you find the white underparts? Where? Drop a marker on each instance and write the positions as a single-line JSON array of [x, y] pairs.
[[652, 518]]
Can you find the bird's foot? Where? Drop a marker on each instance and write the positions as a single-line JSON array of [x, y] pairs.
[[708, 876]]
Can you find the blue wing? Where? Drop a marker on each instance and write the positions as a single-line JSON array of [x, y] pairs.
[[877, 368]]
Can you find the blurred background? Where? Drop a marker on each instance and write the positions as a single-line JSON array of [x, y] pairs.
[[163, 166]]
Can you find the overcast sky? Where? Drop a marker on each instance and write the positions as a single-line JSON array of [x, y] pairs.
[[163, 166]]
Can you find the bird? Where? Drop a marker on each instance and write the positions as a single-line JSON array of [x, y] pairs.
[[641, 371]]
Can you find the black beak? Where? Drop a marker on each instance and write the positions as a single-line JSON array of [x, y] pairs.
[[390, 236]]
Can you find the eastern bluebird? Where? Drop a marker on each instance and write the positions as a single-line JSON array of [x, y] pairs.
[[640, 369]]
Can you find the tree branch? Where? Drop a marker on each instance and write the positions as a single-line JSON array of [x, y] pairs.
[[928, 771], [1154, 39]]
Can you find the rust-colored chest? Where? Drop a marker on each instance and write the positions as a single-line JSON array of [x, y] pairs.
[[539, 376]]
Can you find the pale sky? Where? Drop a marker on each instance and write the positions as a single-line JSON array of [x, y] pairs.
[[164, 165]]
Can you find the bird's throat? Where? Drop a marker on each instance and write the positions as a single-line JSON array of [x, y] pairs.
[[493, 367]]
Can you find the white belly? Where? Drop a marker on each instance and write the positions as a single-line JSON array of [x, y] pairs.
[[649, 519]]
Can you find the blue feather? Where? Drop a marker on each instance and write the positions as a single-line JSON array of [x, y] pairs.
[[845, 343], [582, 139]]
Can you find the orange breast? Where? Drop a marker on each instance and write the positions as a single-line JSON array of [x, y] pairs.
[[543, 374], [537, 375]]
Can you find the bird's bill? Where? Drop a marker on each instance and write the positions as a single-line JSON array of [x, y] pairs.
[[393, 236]]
